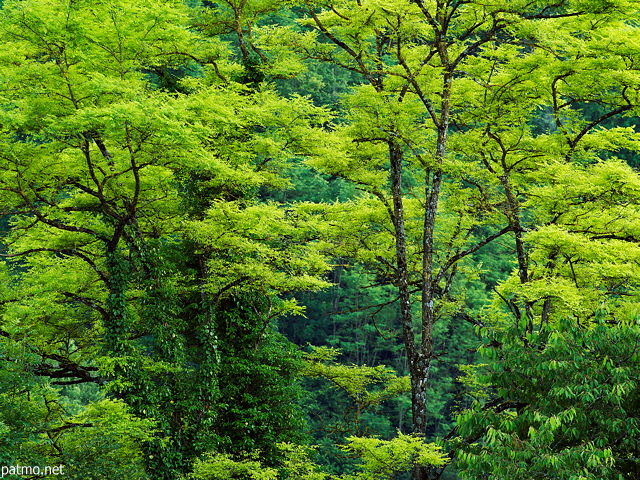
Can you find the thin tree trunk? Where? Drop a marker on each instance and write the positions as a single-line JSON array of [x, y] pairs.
[[424, 357], [415, 361]]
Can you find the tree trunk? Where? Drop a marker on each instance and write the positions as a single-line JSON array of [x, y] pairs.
[[419, 360], [416, 361]]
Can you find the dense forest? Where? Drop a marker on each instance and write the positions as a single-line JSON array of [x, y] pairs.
[[320, 240]]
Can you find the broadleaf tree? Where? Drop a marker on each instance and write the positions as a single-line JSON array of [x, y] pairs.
[[462, 106], [560, 387], [133, 219], [134, 151]]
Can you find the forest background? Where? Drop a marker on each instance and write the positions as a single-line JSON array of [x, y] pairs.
[[364, 239]]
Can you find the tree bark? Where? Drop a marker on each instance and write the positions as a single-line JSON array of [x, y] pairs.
[[402, 279]]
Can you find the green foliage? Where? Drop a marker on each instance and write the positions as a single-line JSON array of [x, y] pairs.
[[568, 406], [117, 184], [101, 440], [354, 315], [582, 253], [147, 252], [297, 465], [480, 123], [261, 246], [106, 443], [560, 398], [257, 379], [20, 417], [222, 467], [356, 380], [383, 459]]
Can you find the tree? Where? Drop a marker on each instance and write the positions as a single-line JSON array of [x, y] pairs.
[[127, 203], [448, 130], [564, 406], [135, 152], [561, 392]]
